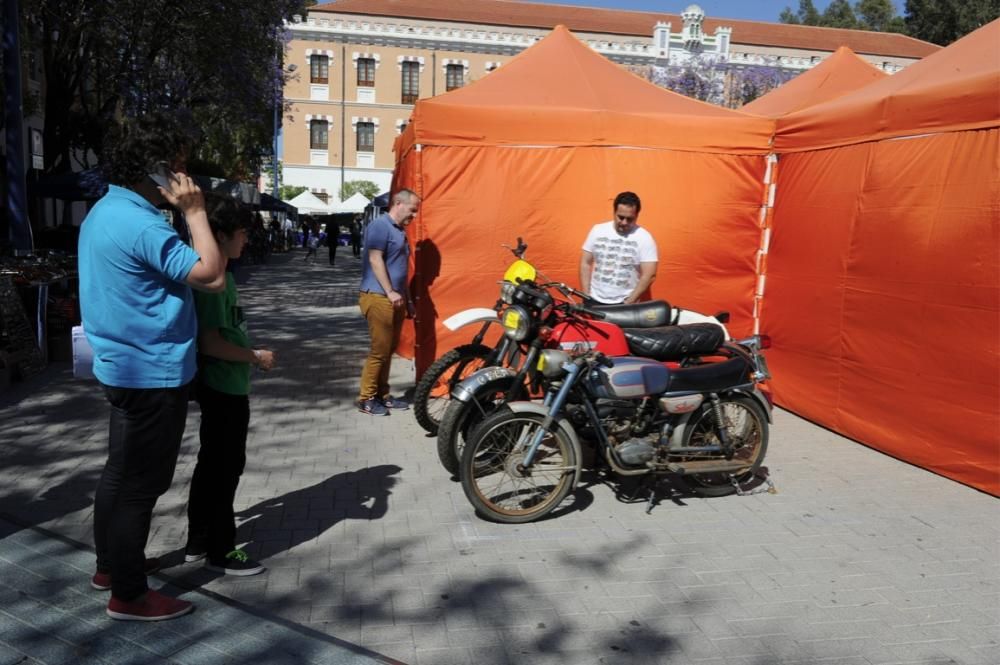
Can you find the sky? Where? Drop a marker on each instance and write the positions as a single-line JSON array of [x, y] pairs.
[[754, 10]]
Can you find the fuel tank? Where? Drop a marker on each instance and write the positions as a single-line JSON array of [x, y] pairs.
[[632, 377]]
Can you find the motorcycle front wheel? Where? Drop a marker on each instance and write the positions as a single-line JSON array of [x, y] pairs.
[[494, 478], [433, 391], [460, 418], [746, 427]]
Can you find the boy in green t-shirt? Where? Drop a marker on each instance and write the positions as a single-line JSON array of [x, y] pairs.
[[223, 389]]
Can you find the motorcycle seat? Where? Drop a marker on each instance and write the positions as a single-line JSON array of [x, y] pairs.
[[710, 377], [651, 314], [675, 342]]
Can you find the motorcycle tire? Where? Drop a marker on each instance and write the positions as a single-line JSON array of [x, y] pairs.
[[461, 418], [492, 479], [433, 391], [746, 426]]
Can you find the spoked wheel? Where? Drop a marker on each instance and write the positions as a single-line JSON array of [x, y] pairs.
[[461, 418], [746, 427], [433, 391], [495, 479]]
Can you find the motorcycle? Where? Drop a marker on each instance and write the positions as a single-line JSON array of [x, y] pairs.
[[535, 320], [433, 391], [707, 424]]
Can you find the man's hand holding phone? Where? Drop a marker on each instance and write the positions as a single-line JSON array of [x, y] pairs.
[[179, 190]]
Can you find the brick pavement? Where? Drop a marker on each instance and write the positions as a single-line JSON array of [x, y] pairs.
[[858, 559]]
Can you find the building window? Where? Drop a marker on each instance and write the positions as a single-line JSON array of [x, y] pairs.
[[454, 77], [366, 137], [319, 133], [319, 69], [366, 72], [411, 82]]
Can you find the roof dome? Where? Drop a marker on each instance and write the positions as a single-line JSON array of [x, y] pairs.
[[694, 9]]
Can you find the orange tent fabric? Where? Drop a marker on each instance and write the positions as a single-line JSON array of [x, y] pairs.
[[954, 89], [883, 272], [843, 72], [540, 147]]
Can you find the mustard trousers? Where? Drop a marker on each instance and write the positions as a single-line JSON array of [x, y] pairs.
[[384, 324]]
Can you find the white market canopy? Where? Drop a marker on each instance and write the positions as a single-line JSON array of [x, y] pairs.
[[356, 203], [308, 203]]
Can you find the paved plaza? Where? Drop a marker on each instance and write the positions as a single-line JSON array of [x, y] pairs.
[[375, 556]]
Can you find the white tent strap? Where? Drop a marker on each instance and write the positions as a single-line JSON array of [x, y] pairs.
[[764, 221]]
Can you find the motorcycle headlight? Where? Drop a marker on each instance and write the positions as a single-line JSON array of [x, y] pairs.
[[507, 290], [516, 322], [550, 362]]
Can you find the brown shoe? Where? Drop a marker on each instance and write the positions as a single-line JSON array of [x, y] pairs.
[[150, 606], [102, 581]]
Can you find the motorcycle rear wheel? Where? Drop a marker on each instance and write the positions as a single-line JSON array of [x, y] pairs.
[[746, 426], [433, 392], [461, 418], [498, 487]]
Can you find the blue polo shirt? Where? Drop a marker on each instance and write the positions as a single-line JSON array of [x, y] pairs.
[[138, 313], [382, 233]]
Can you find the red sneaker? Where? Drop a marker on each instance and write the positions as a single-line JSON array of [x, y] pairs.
[[102, 581], [150, 606]]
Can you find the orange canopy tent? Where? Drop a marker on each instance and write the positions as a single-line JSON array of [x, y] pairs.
[[883, 270], [540, 147], [843, 72]]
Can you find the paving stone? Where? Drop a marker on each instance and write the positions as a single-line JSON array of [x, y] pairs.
[[369, 541]]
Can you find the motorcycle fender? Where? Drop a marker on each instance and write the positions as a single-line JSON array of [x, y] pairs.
[[542, 410], [688, 316], [466, 390], [755, 394], [469, 316]]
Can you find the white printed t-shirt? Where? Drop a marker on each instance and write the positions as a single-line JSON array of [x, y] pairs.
[[616, 260]]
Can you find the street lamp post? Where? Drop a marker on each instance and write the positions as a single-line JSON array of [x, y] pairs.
[[279, 101]]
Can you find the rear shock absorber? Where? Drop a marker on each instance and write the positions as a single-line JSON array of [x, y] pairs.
[[720, 424]]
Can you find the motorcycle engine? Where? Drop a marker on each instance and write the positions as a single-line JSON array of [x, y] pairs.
[[636, 452]]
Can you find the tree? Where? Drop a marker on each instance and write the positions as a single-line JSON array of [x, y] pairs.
[[944, 21], [702, 77], [807, 14], [109, 59], [748, 83], [839, 14], [876, 15], [289, 192], [367, 188]]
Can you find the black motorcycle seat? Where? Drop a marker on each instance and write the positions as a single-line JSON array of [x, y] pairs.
[[675, 342], [651, 314], [711, 377]]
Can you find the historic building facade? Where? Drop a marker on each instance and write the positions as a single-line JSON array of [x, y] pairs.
[[362, 64]]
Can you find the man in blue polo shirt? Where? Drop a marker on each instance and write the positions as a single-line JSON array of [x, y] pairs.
[[385, 299], [138, 313]]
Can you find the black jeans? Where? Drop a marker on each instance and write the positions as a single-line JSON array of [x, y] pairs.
[[221, 458], [143, 440], [332, 243]]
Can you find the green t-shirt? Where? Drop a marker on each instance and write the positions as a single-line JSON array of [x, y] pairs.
[[223, 311]]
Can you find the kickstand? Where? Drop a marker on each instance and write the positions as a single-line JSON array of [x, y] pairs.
[[653, 495]]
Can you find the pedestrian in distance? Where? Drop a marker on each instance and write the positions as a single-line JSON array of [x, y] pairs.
[[356, 236], [385, 300], [332, 239], [226, 358], [138, 312]]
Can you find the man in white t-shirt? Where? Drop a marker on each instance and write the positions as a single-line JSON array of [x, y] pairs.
[[619, 258]]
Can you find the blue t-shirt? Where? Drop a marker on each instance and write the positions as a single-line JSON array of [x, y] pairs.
[[138, 313], [382, 233]]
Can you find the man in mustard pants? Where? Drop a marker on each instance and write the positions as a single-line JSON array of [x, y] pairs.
[[385, 299]]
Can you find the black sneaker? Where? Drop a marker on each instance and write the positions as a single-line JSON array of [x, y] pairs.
[[373, 407], [236, 562], [396, 403]]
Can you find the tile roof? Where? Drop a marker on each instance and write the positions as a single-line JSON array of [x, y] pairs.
[[640, 24]]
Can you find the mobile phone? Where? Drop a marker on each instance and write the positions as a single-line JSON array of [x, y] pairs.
[[161, 175]]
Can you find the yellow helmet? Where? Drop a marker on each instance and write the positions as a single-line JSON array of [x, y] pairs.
[[519, 271]]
